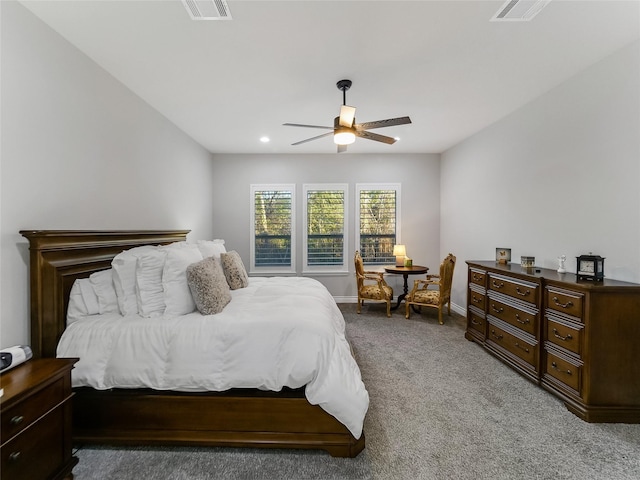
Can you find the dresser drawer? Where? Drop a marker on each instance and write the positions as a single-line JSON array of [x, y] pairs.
[[565, 301], [37, 452], [525, 291], [477, 299], [564, 371], [564, 335], [477, 322], [477, 276], [23, 414], [527, 321], [513, 344]]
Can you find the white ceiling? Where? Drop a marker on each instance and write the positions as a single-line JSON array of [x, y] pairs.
[[443, 63]]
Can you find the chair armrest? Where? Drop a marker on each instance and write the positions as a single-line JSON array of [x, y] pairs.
[[373, 275], [376, 277], [417, 284]]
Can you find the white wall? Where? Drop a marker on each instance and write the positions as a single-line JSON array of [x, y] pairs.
[[81, 151], [559, 176], [420, 208]]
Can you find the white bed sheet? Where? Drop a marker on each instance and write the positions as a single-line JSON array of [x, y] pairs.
[[278, 331]]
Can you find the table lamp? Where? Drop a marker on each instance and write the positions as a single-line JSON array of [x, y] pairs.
[[399, 251]]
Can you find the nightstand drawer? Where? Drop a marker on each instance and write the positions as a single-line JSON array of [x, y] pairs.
[[22, 415], [37, 452], [525, 291], [569, 303]]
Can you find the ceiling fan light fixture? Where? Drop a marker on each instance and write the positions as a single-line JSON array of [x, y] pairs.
[[345, 129], [344, 136]]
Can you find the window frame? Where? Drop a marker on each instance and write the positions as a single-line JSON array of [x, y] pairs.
[[272, 187], [325, 269], [377, 186]]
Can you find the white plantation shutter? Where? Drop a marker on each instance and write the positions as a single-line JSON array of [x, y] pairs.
[[325, 227], [378, 221], [273, 231]]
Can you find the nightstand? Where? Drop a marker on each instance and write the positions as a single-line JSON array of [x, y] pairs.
[[35, 416]]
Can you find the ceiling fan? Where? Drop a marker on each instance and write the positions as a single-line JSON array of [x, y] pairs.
[[345, 130]]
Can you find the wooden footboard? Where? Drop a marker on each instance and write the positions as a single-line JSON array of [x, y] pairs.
[[238, 418]]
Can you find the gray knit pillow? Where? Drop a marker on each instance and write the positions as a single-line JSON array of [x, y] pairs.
[[234, 270], [208, 286]]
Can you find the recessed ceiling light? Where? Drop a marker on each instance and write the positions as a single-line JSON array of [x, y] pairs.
[[397, 139], [264, 139]]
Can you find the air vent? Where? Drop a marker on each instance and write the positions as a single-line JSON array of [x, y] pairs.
[[207, 9], [519, 10]]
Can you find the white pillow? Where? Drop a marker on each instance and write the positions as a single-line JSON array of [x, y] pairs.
[[76, 308], [149, 291], [89, 296], [124, 278], [211, 248], [177, 296], [102, 283]]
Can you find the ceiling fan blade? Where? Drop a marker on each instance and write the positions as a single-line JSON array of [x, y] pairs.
[[313, 138], [389, 122], [347, 115], [306, 126], [342, 148], [375, 136]]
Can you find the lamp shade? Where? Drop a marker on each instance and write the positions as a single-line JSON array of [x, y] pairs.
[[399, 251], [344, 136]]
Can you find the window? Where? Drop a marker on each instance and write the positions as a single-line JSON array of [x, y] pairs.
[[378, 221], [324, 240], [273, 228]]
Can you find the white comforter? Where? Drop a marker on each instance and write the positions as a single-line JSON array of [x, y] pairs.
[[280, 331]]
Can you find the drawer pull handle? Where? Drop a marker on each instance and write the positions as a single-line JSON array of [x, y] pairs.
[[523, 322], [496, 284], [557, 335], [555, 366], [520, 292], [475, 322], [477, 277], [17, 420], [495, 309], [522, 348], [475, 299], [14, 457], [495, 335], [563, 305]]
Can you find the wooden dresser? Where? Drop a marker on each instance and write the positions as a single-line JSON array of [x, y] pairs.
[[578, 339], [35, 420]]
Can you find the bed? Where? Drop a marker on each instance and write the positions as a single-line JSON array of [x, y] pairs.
[[237, 417]]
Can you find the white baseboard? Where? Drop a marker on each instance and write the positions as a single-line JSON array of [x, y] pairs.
[[346, 299], [456, 308]]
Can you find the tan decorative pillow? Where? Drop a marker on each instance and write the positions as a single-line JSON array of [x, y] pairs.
[[208, 286], [234, 270]]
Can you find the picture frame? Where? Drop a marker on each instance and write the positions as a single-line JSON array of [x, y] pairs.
[[503, 255]]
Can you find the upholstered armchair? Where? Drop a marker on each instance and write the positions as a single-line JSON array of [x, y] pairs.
[[423, 296], [371, 286]]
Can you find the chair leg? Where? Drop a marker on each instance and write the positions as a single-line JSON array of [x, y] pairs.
[[440, 315], [407, 310], [388, 308], [359, 305]]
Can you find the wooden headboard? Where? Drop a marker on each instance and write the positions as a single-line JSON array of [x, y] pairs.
[[58, 257]]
